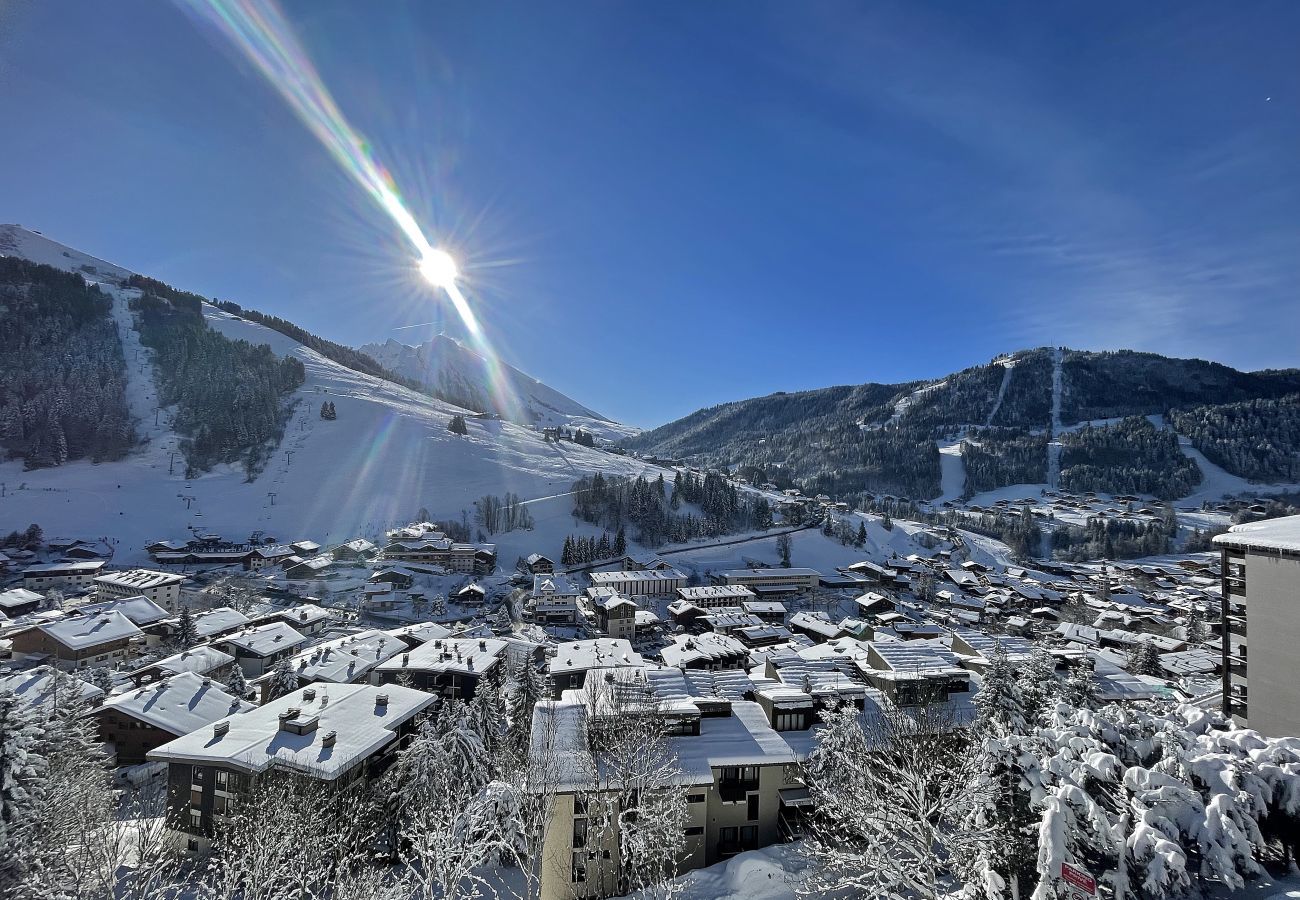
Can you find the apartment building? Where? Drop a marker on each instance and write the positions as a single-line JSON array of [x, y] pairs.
[[162, 588], [1261, 595], [773, 582], [335, 733]]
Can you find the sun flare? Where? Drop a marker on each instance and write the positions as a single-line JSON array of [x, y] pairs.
[[438, 268]]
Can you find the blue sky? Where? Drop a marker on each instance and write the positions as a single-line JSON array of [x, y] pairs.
[[662, 206]]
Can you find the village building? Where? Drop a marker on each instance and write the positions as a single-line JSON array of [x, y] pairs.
[[554, 600], [62, 576], [334, 733], [163, 588], [307, 569], [19, 601], [358, 550], [346, 660], [572, 661], [769, 583], [257, 648], [263, 557], [138, 720], [78, 641], [705, 651], [203, 660], [449, 667], [714, 595], [44, 686], [640, 583], [537, 564]]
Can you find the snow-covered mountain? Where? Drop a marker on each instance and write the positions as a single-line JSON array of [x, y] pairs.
[[387, 455], [460, 374]]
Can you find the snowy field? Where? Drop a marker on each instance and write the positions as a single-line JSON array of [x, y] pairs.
[[387, 455]]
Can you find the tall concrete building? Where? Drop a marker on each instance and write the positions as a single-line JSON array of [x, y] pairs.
[[1261, 615]]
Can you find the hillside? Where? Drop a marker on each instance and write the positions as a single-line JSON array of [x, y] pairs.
[[387, 455], [456, 373], [1009, 415]]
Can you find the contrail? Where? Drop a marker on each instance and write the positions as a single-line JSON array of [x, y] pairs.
[[420, 325]]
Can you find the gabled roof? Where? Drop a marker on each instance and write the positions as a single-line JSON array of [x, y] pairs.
[[348, 658], [36, 686], [219, 619], [264, 640], [140, 610], [179, 704], [77, 632]]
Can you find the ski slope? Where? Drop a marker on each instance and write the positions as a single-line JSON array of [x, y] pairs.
[[386, 456]]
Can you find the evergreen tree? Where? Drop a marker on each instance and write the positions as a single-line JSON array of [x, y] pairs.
[[1146, 661], [187, 633], [620, 537], [24, 772], [783, 550], [236, 683], [283, 678], [1195, 629], [861, 539], [457, 425]]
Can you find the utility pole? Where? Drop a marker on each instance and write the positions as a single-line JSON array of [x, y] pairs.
[[171, 466], [288, 457], [271, 494]]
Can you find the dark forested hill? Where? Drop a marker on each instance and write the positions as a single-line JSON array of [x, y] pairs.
[[62, 375], [881, 438]]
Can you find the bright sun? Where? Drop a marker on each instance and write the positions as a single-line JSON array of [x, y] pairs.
[[438, 268]]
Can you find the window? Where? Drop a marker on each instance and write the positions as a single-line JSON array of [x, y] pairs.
[[751, 812], [192, 844], [789, 721], [694, 831], [728, 840], [196, 797], [579, 871], [749, 837], [196, 819], [694, 798], [223, 780], [579, 833]]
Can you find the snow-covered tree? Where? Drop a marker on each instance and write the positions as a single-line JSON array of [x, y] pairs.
[[187, 633], [892, 794], [1145, 660], [284, 678], [24, 778], [236, 683]]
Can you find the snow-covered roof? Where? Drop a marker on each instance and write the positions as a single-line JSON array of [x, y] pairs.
[[815, 621], [264, 640], [1190, 662], [420, 632], [1269, 534], [199, 660], [579, 656], [222, 618], [17, 597], [559, 585], [36, 686], [770, 573], [140, 609], [908, 657], [63, 568], [710, 647], [713, 592], [139, 579], [78, 632], [1016, 648], [466, 656], [348, 658], [302, 614], [619, 579], [342, 725], [179, 704]]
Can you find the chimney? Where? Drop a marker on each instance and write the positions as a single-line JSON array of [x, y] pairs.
[[220, 728], [309, 694], [381, 701], [329, 739], [406, 658], [482, 645]]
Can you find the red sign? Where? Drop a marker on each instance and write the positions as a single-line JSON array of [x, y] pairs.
[[1079, 878]]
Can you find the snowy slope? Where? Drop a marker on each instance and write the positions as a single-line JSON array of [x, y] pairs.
[[446, 365], [388, 454]]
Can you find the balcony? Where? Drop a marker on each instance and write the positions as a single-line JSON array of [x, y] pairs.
[[1237, 625], [1237, 665]]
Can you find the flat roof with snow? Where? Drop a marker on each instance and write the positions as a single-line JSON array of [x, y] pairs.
[[80, 632], [1270, 534], [139, 579]]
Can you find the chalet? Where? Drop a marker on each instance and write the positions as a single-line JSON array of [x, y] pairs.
[[335, 734], [763, 635], [643, 562], [418, 633], [303, 618], [308, 569], [262, 557], [62, 576], [358, 550], [44, 686], [143, 718], [218, 621], [305, 548], [256, 648], [472, 594], [450, 667], [816, 625], [771, 611], [536, 564], [203, 660], [346, 660], [78, 641], [615, 614], [554, 600], [18, 601], [871, 605]]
